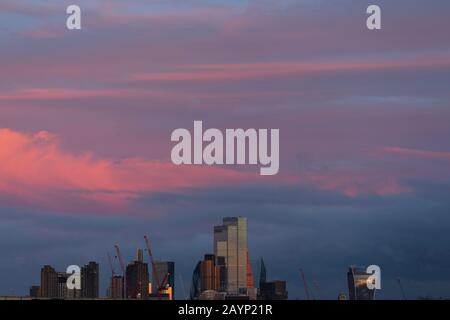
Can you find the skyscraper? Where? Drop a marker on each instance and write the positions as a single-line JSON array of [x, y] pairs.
[[357, 284], [230, 242], [209, 274], [116, 287], [90, 280], [49, 282], [164, 270], [137, 280]]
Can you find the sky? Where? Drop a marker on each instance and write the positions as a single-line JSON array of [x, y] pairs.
[[86, 118]]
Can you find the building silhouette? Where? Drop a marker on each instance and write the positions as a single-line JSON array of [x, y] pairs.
[[116, 287], [35, 291], [90, 280], [273, 290], [49, 282], [270, 290], [137, 278]]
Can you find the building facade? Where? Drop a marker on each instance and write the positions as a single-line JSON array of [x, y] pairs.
[[273, 290], [230, 243], [210, 274], [357, 284], [49, 282], [137, 280], [116, 287], [35, 291], [165, 270], [90, 281]]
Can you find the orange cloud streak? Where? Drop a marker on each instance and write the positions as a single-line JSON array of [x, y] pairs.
[[228, 72], [417, 153]]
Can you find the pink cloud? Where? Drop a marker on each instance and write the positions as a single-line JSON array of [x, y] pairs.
[[63, 93], [36, 171], [384, 180], [417, 153], [243, 71], [43, 33], [16, 7], [353, 183]]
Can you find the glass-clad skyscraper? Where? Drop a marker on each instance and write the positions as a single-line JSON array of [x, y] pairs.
[[357, 284], [230, 244]]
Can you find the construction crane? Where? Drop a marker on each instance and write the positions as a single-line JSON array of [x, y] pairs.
[[305, 285], [319, 294], [155, 273], [401, 289], [122, 266], [163, 285], [111, 266]]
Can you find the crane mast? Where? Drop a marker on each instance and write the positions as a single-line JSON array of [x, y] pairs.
[[155, 273], [111, 266], [305, 284], [122, 266], [401, 289], [163, 284]]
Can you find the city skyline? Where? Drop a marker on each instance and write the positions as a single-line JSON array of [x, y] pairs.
[[214, 278], [86, 118]]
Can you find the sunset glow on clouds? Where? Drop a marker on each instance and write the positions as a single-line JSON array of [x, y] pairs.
[[37, 172], [236, 72], [86, 119], [228, 67]]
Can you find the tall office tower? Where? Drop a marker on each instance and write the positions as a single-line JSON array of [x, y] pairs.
[[357, 284], [230, 242], [116, 287], [165, 270], [137, 280], [209, 274], [90, 280], [49, 282]]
